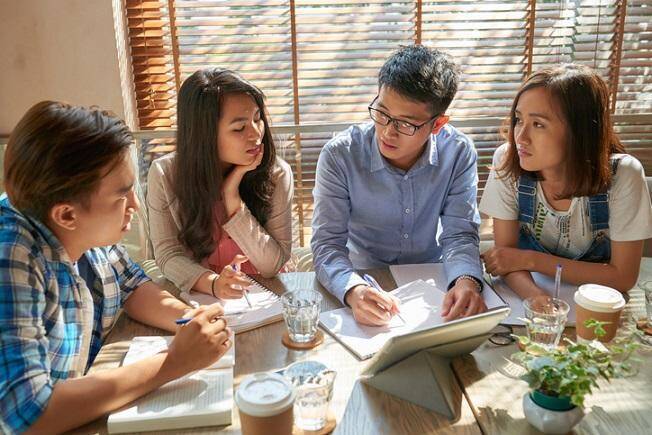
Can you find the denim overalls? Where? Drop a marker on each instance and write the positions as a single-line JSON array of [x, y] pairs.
[[600, 249]]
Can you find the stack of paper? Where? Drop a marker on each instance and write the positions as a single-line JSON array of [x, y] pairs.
[[202, 398], [266, 307]]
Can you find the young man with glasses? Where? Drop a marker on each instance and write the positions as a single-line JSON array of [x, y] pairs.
[[400, 190]]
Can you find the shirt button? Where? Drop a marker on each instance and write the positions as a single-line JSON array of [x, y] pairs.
[[405, 177], [405, 236], [407, 210]]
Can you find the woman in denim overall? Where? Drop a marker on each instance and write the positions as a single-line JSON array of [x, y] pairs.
[[561, 140]]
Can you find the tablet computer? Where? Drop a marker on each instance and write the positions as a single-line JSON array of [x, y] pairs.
[[449, 339]]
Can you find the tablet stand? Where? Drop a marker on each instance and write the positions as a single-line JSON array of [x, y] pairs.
[[426, 379]]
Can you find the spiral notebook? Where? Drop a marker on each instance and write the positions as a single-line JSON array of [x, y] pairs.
[[266, 307]]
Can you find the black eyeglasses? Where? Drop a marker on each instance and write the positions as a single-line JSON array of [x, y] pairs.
[[403, 127], [503, 335]]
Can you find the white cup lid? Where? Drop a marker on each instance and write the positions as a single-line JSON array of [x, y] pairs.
[[264, 394], [599, 298]]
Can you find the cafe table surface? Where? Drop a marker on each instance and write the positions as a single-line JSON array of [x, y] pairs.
[[488, 400]]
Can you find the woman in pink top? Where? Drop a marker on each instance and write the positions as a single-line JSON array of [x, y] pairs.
[[222, 201]]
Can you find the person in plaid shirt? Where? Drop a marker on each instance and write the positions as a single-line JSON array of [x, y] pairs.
[[70, 198]]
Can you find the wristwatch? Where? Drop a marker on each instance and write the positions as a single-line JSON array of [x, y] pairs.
[[476, 281]]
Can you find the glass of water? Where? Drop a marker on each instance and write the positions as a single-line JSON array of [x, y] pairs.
[[546, 318], [646, 286], [301, 312], [313, 382]]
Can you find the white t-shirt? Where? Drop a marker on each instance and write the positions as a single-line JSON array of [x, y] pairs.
[[568, 233]]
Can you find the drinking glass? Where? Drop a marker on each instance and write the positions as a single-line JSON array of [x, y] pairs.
[[301, 313], [313, 382], [546, 318]]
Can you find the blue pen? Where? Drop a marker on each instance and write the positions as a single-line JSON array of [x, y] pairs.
[[236, 268], [183, 320], [371, 280]]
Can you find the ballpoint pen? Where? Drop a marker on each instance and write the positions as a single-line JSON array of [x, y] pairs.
[[371, 280], [236, 268], [184, 320]]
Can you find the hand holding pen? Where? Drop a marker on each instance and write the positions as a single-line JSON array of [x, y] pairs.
[[231, 282], [371, 306], [372, 281]]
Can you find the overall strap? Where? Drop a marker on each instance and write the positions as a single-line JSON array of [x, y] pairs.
[[527, 190], [599, 204]]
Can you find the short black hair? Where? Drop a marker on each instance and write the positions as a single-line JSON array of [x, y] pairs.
[[59, 152], [421, 74]]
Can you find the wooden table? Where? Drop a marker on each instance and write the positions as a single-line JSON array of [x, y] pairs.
[[358, 408], [623, 406], [490, 402]]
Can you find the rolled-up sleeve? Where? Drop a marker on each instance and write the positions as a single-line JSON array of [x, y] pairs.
[[460, 219], [330, 227], [25, 383]]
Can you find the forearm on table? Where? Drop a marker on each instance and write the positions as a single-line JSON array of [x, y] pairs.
[[154, 306], [78, 401], [576, 272], [522, 284]]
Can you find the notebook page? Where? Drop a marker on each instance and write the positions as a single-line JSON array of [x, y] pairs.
[[420, 306], [433, 273], [202, 398]]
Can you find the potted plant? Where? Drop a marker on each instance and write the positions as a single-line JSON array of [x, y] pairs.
[[561, 378]]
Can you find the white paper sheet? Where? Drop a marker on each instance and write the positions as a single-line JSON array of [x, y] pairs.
[[434, 273], [202, 398], [420, 307]]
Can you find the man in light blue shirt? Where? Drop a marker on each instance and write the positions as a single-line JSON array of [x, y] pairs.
[[400, 190]]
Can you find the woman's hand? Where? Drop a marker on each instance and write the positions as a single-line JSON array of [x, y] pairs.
[[231, 282], [231, 184], [502, 260]]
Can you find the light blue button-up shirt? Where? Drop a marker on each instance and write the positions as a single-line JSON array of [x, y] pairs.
[[369, 213]]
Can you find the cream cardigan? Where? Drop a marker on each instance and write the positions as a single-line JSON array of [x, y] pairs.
[[268, 248]]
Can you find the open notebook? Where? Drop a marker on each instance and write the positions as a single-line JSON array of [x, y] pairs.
[[266, 307], [420, 307], [500, 295], [202, 398]]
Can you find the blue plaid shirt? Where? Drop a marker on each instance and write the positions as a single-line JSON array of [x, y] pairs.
[[53, 314]]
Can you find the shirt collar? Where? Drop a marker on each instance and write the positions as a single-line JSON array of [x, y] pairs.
[[429, 156], [48, 236]]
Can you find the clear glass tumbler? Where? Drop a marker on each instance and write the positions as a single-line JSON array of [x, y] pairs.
[[301, 312], [546, 319]]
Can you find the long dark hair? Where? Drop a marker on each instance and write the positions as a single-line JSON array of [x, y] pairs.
[[583, 101], [197, 175]]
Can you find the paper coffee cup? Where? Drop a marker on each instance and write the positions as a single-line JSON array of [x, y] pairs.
[[598, 302], [265, 401]]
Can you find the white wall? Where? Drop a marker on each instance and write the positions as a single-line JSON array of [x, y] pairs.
[[58, 50]]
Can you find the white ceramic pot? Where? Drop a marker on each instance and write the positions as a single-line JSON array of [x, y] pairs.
[[550, 421]]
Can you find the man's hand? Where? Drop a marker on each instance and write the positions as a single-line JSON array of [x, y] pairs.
[[370, 306], [503, 260], [462, 300], [200, 342], [231, 284]]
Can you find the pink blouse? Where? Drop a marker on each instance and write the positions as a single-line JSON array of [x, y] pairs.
[[226, 248]]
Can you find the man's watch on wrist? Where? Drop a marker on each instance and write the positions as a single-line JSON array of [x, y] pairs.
[[476, 282]]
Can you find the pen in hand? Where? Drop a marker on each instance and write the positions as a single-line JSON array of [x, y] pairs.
[[184, 320], [373, 283], [236, 268]]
